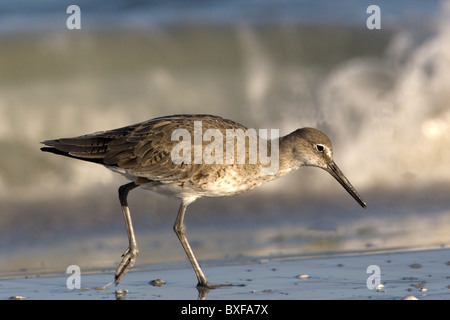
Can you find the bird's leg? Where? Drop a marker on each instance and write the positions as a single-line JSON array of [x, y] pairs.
[[130, 255], [180, 231]]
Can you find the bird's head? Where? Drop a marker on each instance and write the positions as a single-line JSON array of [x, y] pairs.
[[312, 147]]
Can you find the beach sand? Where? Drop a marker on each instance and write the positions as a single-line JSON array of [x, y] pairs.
[[423, 274]]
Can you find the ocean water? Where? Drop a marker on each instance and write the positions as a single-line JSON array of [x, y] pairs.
[[381, 95]]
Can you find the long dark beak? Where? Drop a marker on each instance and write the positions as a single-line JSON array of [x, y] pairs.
[[334, 170]]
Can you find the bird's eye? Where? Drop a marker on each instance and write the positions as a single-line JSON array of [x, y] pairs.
[[319, 147]]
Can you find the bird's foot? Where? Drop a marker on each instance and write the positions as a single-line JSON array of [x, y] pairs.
[[205, 287], [208, 285], [128, 260]]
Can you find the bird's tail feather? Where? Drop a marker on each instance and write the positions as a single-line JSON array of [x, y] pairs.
[[87, 148]]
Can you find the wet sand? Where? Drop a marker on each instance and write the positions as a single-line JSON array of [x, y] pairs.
[[423, 274]]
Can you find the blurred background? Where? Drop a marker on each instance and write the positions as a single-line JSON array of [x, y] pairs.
[[381, 95]]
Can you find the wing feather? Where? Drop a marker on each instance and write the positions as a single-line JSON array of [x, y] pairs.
[[143, 149]]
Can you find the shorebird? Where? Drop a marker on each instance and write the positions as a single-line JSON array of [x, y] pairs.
[[143, 153]]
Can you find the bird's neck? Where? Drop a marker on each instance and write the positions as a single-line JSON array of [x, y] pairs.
[[288, 159], [290, 154]]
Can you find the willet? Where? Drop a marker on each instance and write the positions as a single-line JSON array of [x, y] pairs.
[[143, 153]]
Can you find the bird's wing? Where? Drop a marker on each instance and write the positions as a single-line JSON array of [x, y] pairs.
[[142, 149]]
